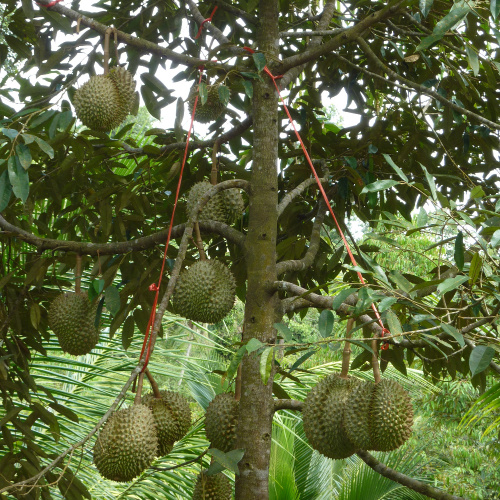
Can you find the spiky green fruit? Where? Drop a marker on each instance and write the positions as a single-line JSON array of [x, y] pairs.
[[357, 416], [217, 487], [226, 206], [205, 292], [213, 107], [391, 416], [172, 418], [127, 444], [72, 319], [323, 413], [104, 101], [220, 421]]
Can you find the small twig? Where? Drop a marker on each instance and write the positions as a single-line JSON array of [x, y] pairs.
[[78, 274], [288, 404], [181, 465]]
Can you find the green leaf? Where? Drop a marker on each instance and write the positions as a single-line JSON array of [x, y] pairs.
[[480, 358], [400, 281], [5, 190], [428, 41], [379, 186], [260, 60], [235, 362], [477, 192], [495, 237], [425, 6], [248, 88], [253, 344], [361, 344], [459, 250], [18, 178], [128, 332], [430, 181], [151, 102], [473, 59], [179, 115], [227, 460], [325, 323], [284, 331], [266, 362], [341, 296], [203, 93], [24, 155], [457, 13], [495, 8], [45, 147], [422, 217], [112, 300], [279, 392], [154, 83], [384, 304], [10, 133], [475, 268], [393, 323], [453, 332], [451, 284], [401, 174], [224, 94]]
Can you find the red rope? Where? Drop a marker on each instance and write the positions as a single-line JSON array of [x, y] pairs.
[[156, 287], [325, 197], [48, 5], [208, 19]]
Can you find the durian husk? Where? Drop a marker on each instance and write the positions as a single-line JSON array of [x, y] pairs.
[[172, 417], [72, 319], [220, 421], [205, 292], [217, 487], [213, 107], [226, 206], [323, 414], [104, 101], [127, 444]]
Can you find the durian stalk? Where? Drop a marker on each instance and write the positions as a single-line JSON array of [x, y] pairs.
[[78, 274], [375, 366], [106, 50], [213, 174], [154, 385], [198, 241], [346, 353], [138, 394]]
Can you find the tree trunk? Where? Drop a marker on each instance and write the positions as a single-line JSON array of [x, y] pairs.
[[256, 403]]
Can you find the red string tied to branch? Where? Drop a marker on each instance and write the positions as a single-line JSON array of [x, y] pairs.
[[208, 19]]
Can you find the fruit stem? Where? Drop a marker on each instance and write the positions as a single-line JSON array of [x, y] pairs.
[[346, 353], [375, 364], [213, 173], [154, 385], [198, 242], [78, 274], [106, 50], [138, 394]]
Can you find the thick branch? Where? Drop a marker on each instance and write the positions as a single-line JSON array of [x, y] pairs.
[[288, 404], [290, 66], [139, 43], [412, 86], [300, 34], [288, 198], [308, 259], [122, 247], [400, 478]]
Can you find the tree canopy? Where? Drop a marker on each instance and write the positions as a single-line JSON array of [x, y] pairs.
[[422, 78]]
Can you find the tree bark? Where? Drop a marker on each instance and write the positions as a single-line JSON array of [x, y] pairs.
[[256, 404]]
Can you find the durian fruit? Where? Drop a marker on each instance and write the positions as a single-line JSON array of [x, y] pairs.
[[103, 102], [379, 416], [220, 421], [391, 416], [127, 444], [217, 487], [172, 418], [357, 416], [323, 413], [72, 319], [205, 292], [213, 107], [226, 206]]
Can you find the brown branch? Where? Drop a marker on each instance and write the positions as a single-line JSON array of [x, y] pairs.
[[237, 12], [412, 86], [315, 240], [122, 247], [139, 43], [346, 353], [78, 274], [299, 34], [288, 404], [225, 137], [288, 198], [407, 481], [154, 385], [292, 66]]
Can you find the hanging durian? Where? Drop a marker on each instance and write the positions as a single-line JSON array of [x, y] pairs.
[[220, 421], [211, 109], [217, 487]]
